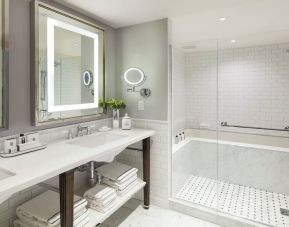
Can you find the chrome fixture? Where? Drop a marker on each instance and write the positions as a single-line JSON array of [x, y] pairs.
[[93, 177], [80, 130], [135, 77], [225, 124], [91, 173]]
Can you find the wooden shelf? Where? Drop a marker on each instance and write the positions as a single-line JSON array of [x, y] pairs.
[[96, 217]]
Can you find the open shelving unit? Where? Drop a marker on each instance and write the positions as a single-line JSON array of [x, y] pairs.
[[96, 217]]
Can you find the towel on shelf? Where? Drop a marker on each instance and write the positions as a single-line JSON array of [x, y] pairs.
[[101, 197], [128, 188], [119, 186], [20, 223], [103, 202], [102, 209], [116, 171], [45, 209], [99, 192], [127, 176], [119, 176], [78, 220]]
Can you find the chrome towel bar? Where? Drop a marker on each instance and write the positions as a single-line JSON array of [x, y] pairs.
[[225, 124]]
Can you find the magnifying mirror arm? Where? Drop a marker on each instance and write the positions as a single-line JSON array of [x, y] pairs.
[[144, 92], [132, 89]]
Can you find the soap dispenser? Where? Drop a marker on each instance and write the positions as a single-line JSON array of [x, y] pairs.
[[126, 122]]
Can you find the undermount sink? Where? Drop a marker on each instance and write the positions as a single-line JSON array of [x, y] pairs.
[[4, 174], [96, 140]]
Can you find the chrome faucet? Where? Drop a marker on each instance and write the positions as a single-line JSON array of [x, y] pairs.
[[80, 130]]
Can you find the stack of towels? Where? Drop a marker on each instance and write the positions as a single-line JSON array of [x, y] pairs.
[[44, 211], [101, 198], [119, 176]]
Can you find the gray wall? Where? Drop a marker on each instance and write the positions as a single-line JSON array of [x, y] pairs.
[[145, 46], [19, 94]]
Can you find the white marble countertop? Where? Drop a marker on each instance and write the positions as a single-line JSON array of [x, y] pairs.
[[59, 157]]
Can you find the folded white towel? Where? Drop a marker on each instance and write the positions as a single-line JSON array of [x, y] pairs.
[[45, 208], [115, 170], [127, 175], [99, 192], [119, 186], [20, 223], [35, 223], [79, 217], [102, 209], [128, 188], [102, 203]]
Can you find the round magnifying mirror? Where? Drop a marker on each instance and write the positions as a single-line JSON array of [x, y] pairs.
[[87, 78], [134, 77]]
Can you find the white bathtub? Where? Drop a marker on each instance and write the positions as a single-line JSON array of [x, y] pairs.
[[183, 143], [254, 165]]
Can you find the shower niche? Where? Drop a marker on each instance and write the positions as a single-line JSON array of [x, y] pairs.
[[68, 66]]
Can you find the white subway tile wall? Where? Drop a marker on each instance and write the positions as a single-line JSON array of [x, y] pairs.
[[159, 160], [201, 89], [253, 86], [8, 208]]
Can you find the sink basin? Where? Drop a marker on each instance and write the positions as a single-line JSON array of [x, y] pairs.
[[96, 140], [4, 174]]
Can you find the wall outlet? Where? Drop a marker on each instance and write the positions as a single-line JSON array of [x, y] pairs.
[[141, 105]]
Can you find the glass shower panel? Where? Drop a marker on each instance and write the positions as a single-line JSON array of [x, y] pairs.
[[253, 119], [194, 123]]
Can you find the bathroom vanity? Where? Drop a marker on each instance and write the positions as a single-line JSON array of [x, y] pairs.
[[62, 157]]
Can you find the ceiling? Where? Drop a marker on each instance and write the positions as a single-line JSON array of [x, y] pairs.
[[193, 20]]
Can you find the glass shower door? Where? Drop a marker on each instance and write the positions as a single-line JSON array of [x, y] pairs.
[[194, 128], [253, 154]]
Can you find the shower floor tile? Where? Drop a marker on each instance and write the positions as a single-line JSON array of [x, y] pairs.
[[245, 202]]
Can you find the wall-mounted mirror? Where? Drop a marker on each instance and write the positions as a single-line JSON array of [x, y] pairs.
[[69, 66], [135, 77], [4, 62]]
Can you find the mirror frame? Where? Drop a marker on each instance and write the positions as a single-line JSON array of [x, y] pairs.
[[34, 26], [5, 65]]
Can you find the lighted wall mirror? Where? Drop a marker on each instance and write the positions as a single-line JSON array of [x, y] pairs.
[[69, 66], [135, 77], [4, 63]]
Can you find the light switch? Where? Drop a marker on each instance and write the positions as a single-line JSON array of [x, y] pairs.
[[141, 105]]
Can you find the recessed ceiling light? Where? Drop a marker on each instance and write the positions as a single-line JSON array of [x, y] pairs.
[[222, 19], [233, 41]]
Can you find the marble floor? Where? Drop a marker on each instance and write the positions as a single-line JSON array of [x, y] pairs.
[[241, 201], [133, 215]]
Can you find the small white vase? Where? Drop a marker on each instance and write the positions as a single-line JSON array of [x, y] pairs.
[[115, 118]]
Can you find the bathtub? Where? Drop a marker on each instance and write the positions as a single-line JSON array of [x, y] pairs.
[[232, 161], [250, 173]]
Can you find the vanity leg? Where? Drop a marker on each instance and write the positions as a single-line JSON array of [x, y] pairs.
[[146, 171], [66, 189]]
